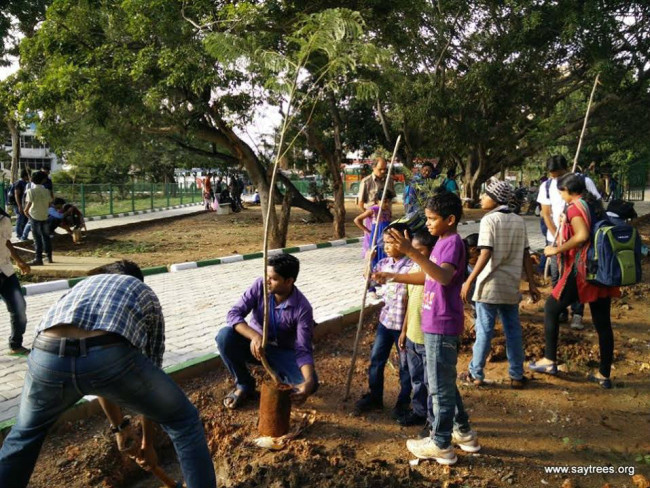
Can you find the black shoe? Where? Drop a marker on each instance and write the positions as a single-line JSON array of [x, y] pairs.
[[426, 430], [605, 383], [411, 418], [366, 404], [49, 259], [564, 317], [400, 410], [36, 262]]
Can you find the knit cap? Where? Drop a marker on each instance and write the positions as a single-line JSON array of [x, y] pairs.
[[499, 191]]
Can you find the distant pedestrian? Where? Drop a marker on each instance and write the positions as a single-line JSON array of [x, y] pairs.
[[37, 203], [17, 201], [10, 287]]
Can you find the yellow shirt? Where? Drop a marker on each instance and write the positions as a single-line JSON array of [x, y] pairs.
[[414, 311]]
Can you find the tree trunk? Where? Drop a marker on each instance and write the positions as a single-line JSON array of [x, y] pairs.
[[279, 233], [334, 165], [15, 149], [335, 169]]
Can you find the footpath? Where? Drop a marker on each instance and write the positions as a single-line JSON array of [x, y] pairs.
[[195, 301]]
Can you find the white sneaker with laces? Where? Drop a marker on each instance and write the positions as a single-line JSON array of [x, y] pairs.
[[576, 322], [467, 441], [426, 449]]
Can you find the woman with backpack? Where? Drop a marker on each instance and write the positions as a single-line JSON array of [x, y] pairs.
[[583, 210]]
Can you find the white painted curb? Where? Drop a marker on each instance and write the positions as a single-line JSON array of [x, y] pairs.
[[47, 287], [183, 266]]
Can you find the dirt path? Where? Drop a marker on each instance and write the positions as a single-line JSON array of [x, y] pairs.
[[204, 236]]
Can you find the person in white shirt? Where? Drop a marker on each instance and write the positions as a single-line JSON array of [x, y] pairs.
[[552, 206], [10, 287]]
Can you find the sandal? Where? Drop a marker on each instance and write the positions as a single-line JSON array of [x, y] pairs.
[[235, 399], [467, 378], [543, 368], [605, 383]]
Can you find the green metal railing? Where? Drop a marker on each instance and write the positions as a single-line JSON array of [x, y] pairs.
[[109, 199]]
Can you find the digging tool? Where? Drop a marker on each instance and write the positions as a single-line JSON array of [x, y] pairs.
[[368, 272]]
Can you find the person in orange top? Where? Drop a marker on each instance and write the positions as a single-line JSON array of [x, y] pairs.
[[208, 193], [582, 211]]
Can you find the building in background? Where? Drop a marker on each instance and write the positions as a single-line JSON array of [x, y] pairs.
[[34, 154]]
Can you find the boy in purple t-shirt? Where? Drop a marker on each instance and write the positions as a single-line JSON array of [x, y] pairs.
[[442, 323]]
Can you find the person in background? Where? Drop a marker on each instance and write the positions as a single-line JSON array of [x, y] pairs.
[[582, 210], [504, 252], [17, 200], [37, 203], [552, 208], [47, 184], [10, 287], [370, 186], [449, 183]]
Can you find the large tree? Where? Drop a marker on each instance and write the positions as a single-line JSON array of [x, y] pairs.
[[141, 65]]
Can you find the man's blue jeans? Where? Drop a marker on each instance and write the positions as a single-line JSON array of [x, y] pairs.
[[119, 373], [486, 314], [21, 221], [384, 341], [416, 359], [11, 294], [42, 241], [446, 402], [235, 351]]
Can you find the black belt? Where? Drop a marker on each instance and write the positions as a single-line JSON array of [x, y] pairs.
[[68, 346]]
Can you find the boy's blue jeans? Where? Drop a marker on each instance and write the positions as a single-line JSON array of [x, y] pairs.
[[446, 402], [416, 359], [384, 341], [13, 297], [119, 373], [235, 351], [486, 314]]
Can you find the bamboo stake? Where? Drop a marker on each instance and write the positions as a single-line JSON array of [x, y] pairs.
[[575, 163], [367, 273], [584, 124]]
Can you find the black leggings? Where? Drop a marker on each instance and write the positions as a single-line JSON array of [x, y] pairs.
[[600, 316]]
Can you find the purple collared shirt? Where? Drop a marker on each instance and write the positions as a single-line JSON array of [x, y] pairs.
[[294, 320]]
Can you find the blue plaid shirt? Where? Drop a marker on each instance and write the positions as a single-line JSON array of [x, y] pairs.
[[392, 314], [119, 304]]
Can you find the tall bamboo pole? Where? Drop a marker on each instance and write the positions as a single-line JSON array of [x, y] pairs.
[[368, 272], [575, 162]]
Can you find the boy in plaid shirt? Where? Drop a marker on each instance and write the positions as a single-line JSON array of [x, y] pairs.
[[388, 332]]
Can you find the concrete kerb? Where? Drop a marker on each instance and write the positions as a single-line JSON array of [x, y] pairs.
[[89, 406], [140, 212], [58, 285]]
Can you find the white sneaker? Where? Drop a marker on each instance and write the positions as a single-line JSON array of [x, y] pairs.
[[576, 322], [467, 441], [426, 449]]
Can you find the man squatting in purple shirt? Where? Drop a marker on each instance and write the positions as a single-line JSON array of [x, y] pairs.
[[291, 326]]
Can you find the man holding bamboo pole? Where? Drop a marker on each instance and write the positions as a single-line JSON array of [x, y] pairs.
[[291, 324]]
